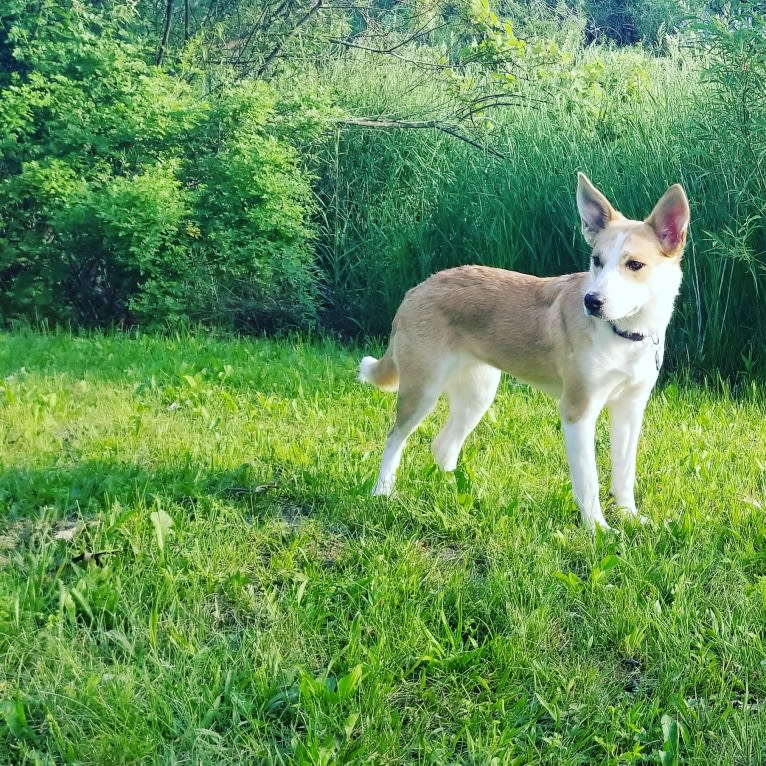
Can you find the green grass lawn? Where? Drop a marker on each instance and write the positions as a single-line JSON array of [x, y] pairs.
[[192, 571]]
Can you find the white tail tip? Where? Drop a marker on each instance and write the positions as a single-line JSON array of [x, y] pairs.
[[385, 379], [366, 366]]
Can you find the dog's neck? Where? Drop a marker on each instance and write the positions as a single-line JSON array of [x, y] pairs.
[[628, 335], [644, 325]]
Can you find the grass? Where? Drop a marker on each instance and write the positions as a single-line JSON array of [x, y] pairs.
[[192, 571], [398, 206]]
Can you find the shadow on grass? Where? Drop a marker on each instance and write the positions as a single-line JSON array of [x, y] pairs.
[[92, 487], [52, 500]]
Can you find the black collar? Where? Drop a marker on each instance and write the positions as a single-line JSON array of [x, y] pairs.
[[634, 336]]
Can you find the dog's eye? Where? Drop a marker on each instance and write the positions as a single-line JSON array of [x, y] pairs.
[[597, 261], [634, 265]]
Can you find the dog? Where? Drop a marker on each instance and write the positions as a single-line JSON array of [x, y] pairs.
[[593, 339]]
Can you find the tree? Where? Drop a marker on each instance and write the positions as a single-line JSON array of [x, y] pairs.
[[465, 46]]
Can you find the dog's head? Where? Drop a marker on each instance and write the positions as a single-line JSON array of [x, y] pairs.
[[635, 265]]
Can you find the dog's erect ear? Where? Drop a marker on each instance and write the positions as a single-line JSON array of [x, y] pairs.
[[670, 220], [594, 207]]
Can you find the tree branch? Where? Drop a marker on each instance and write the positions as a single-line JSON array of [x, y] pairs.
[[165, 32], [278, 47], [465, 64], [450, 130]]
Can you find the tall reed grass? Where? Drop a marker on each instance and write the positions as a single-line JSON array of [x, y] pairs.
[[400, 205]]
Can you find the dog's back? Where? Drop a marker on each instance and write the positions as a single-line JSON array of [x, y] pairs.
[[508, 320]]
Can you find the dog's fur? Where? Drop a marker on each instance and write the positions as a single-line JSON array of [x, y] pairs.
[[593, 339]]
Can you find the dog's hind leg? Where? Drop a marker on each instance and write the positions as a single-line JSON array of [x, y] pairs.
[[417, 396], [470, 391]]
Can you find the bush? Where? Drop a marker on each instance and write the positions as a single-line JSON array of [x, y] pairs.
[[730, 128], [253, 250], [126, 197]]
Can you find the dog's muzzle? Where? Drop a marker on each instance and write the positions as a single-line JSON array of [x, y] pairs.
[[594, 303]]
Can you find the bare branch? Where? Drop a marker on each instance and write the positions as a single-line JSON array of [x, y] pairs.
[[165, 32], [495, 101], [278, 47], [451, 130], [425, 29]]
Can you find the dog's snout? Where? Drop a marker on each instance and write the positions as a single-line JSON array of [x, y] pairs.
[[594, 302]]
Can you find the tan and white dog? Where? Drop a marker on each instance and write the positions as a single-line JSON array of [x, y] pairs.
[[593, 339]]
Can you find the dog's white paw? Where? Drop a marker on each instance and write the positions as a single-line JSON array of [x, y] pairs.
[[383, 489], [632, 514], [592, 522]]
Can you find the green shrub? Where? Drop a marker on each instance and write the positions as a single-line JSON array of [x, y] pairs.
[[251, 207], [127, 197], [729, 127], [130, 234], [402, 205]]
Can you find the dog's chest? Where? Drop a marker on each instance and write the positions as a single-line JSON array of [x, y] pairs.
[[623, 365]]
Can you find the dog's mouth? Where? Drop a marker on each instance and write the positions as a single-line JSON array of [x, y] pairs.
[[598, 312], [629, 315]]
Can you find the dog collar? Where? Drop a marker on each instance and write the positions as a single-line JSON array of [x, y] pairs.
[[637, 336], [634, 336]]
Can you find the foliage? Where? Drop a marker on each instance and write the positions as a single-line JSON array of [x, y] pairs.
[[254, 38], [394, 223], [251, 202], [730, 124], [126, 198], [634, 123], [195, 191]]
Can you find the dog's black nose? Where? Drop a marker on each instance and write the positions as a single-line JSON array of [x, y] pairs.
[[593, 303]]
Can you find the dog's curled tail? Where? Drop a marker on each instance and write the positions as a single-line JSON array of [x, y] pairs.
[[381, 373]]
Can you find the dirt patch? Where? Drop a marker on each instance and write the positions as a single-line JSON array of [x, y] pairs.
[[15, 535]]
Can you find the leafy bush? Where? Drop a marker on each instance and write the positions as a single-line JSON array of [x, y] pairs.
[[394, 219], [251, 206], [131, 234], [127, 197]]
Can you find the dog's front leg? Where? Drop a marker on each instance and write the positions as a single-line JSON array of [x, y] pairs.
[[626, 415], [580, 440]]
